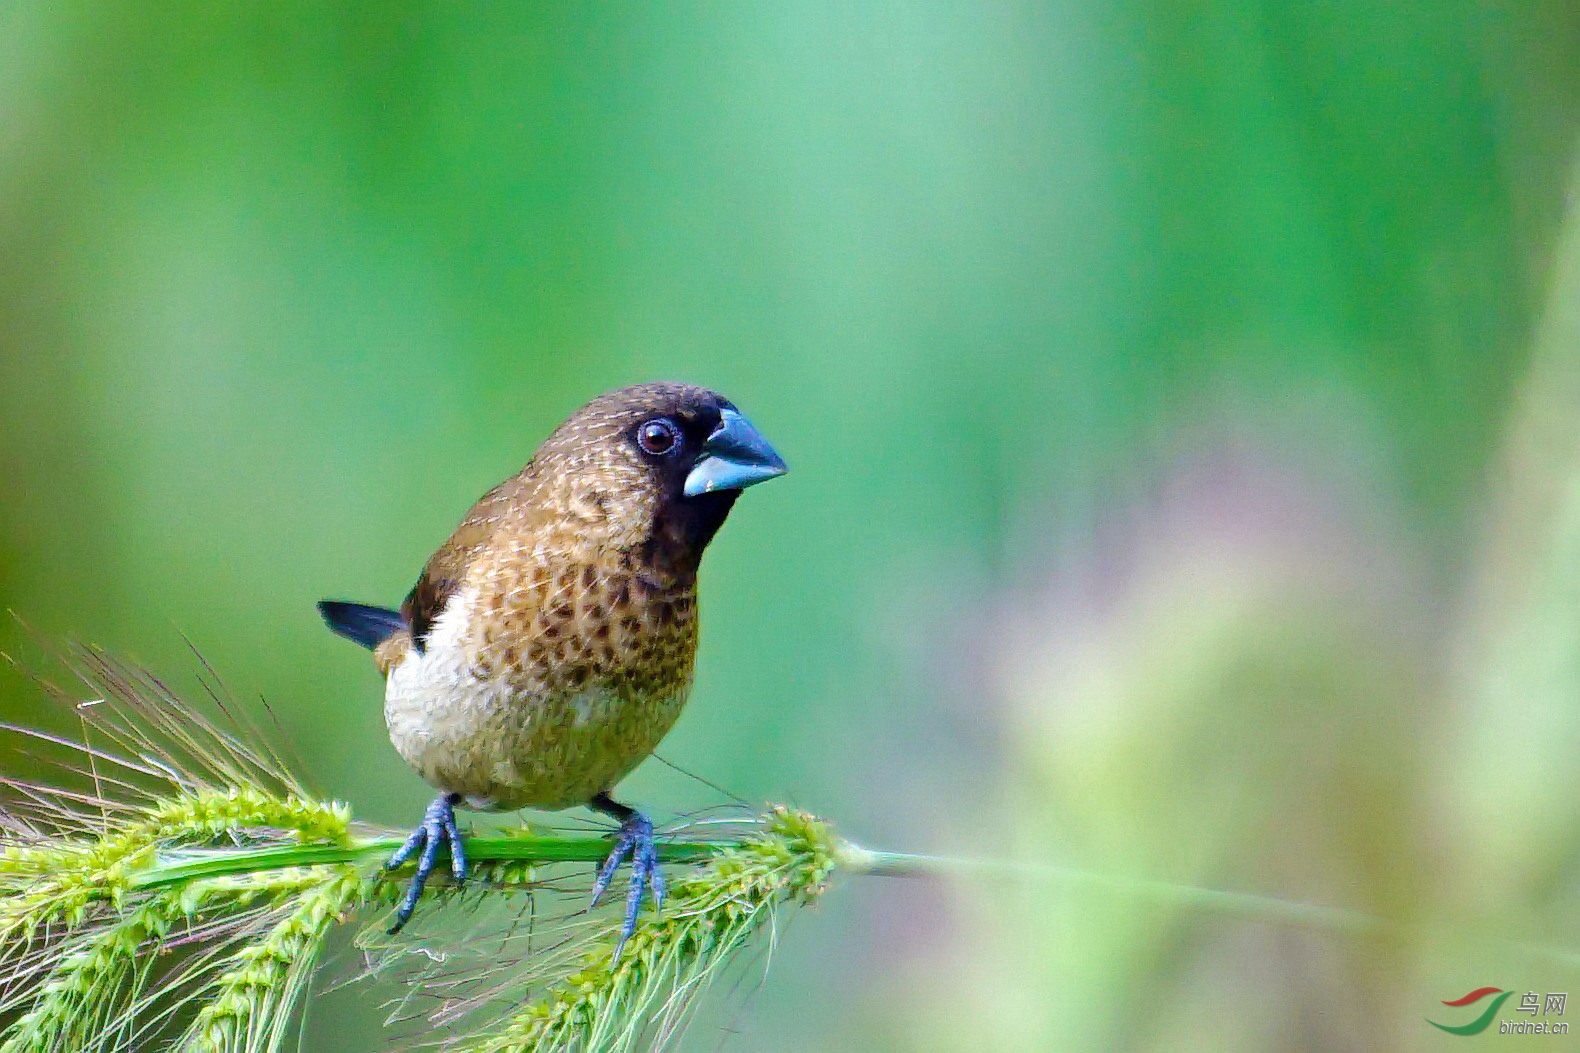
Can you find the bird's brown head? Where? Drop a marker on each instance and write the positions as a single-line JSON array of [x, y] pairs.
[[653, 468]]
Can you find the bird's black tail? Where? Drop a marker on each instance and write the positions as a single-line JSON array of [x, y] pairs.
[[359, 623]]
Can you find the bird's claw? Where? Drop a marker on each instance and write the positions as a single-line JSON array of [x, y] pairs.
[[635, 842], [438, 828]]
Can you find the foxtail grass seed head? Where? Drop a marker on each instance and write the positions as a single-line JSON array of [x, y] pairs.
[[176, 887], [642, 998]]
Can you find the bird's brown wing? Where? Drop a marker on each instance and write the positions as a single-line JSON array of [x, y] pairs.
[[446, 568]]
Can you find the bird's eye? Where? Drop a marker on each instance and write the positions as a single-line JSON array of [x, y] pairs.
[[658, 436]]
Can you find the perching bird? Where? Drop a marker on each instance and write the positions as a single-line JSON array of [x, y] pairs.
[[548, 645]]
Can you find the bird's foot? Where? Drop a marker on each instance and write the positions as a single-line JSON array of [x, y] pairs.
[[438, 828], [635, 841]]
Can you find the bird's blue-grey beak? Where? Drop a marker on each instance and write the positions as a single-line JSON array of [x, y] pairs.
[[734, 457]]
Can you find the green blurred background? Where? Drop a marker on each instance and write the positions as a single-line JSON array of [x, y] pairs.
[[1181, 400]]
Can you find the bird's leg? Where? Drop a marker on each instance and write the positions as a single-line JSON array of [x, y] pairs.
[[438, 828], [635, 841]]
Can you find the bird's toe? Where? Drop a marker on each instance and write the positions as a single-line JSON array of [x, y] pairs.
[[437, 830], [637, 843]]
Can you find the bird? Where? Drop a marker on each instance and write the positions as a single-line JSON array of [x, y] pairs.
[[549, 644]]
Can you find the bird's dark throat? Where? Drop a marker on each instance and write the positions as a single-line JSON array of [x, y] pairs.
[[682, 530]]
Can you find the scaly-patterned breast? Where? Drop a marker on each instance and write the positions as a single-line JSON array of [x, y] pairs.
[[546, 679]]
